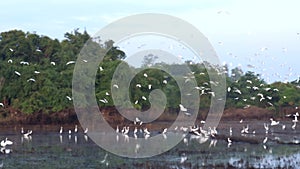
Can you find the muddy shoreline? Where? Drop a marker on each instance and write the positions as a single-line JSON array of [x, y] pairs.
[[68, 117]]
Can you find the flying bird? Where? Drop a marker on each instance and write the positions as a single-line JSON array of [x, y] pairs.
[[116, 86], [182, 108], [70, 62], [31, 80], [18, 73]]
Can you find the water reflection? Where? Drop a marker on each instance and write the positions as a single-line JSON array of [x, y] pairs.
[[42, 149]]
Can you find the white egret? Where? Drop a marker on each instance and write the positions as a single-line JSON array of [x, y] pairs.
[[18, 73], [101, 69], [86, 130], [249, 81], [24, 63], [117, 129], [273, 122], [229, 140], [116, 86], [237, 91], [295, 120], [75, 129], [61, 130], [31, 80], [29, 132], [183, 158], [164, 131], [70, 62], [182, 108], [5, 142], [228, 89], [146, 131], [103, 100]]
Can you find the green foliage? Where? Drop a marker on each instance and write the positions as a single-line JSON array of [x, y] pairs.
[[53, 83]]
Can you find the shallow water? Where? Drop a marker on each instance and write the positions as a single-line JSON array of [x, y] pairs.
[[48, 149]]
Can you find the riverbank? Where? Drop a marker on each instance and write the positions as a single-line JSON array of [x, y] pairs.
[[10, 116]]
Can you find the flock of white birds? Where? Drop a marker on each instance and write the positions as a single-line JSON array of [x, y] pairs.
[[6, 143], [199, 133]]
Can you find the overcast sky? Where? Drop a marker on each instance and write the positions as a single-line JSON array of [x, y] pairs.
[[264, 34]]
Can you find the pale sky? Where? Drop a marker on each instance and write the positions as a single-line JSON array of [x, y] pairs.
[[262, 33]]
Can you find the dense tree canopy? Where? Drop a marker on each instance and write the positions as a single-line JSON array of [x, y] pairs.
[[36, 76]]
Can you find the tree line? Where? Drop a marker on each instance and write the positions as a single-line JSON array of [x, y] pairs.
[[36, 76]]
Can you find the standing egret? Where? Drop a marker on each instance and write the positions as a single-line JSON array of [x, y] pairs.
[[76, 129], [164, 131], [117, 129], [61, 130], [86, 130]]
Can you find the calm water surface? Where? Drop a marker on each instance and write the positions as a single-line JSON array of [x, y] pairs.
[[48, 149]]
